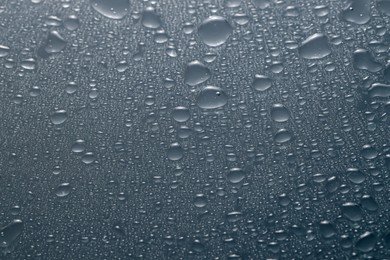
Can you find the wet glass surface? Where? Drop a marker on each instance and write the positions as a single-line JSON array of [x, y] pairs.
[[183, 129]]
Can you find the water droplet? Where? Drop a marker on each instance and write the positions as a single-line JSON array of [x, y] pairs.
[[63, 189], [122, 66], [71, 88], [315, 46], [282, 136], [358, 12], [175, 152], [262, 4], [88, 158], [235, 175], [279, 113], [200, 201], [368, 152], [113, 9], [214, 31], [181, 114], [78, 146], [54, 44], [369, 203], [71, 23], [212, 97], [59, 117], [327, 229], [150, 19], [366, 242], [379, 90], [355, 176], [11, 232], [261, 83], [196, 73], [28, 64], [352, 211], [4, 51], [363, 60]]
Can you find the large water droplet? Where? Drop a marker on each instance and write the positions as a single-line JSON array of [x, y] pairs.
[[150, 19], [355, 175], [363, 60], [358, 12], [200, 201], [4, 51], [315, 46], [10, 233], [352, 211], [88, 158], [211, 97], [58, 117], [63, 190], [181, 114], [54, 43], [78, 146], [366, 242], [327, 229], [261, 82], [279, 113], [175, 152], [379, 90], [113, 9], [282, 136], [214, 31], [235, 175], [196, 73]]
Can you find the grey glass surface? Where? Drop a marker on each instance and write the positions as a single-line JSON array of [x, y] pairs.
[[183, 129]]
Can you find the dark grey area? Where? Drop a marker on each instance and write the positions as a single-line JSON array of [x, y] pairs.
[[179, 129]]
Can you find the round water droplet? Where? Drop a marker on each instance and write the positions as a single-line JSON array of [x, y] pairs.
[[214, 31], [181, 114], [282, 136], [88, 158], [113, 9], [63, 190], [196, 73], [71, 23], [71, 88], [355, 175], [200, 201], [150, 19], [279, 113], [78, 146], [212, 97], [235, 175], [261, 83], [175, 152], [59, 117], [368, 152]]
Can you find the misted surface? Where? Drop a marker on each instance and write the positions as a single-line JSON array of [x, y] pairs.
[[215, 129]]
